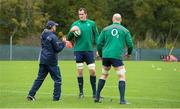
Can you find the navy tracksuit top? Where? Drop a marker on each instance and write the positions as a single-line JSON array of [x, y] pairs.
[[50, 47]]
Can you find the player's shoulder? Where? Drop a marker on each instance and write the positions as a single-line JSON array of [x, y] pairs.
[[121, 28], [90, 21], [107, 28], [124, 28], [76, 22]]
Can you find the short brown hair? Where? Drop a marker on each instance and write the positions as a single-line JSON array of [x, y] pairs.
[[84, 9]]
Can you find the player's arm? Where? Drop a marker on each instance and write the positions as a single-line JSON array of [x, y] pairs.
[[129, 43], [70, 34], [95, 33], [100, 43], [57, 45]]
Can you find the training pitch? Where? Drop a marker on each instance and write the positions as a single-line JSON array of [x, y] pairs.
[[150, 84]]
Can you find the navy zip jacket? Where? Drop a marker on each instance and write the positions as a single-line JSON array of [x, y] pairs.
[[50, 47]]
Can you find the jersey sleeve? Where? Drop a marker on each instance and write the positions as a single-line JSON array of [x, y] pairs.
[[100, 43], [129, 43], [70, 35], [95, 33]]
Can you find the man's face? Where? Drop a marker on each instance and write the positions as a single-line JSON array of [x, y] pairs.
[[54, 28], [82, 15]]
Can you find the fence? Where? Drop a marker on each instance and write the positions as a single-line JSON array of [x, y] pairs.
[[32, 53]]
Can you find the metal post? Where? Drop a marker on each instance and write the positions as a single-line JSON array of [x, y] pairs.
[[10, 47], [10, 50], [137, 54]]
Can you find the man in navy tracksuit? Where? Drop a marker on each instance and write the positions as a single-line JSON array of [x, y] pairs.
[[50, 47]]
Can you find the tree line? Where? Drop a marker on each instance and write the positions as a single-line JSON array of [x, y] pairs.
[[152, 23]]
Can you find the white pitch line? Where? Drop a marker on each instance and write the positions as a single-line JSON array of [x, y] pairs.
[[153, 66], [156, 67], [112, 97], [175, 69], [159, 68]]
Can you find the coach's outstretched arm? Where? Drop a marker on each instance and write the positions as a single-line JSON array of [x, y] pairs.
[[57, 45]]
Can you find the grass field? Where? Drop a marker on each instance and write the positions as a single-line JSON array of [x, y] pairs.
[[150, 84]]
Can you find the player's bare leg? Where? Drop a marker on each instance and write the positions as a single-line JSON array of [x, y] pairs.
[[80, 79], [92, 72], [101, 83], [122, 83]]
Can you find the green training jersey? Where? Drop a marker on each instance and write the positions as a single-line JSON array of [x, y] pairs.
[[113, 40], [87, 38]]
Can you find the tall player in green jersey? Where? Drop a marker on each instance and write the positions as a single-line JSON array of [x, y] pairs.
[[111, 44], [83, 48]]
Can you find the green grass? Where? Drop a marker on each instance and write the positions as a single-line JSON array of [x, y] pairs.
[[150, 84]]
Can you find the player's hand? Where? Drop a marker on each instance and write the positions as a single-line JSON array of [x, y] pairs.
[[64, 39], [127, 56], [97, 56], [68, 43], [74, 28]]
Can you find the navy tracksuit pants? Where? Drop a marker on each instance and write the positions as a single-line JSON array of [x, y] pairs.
[[55, 75]]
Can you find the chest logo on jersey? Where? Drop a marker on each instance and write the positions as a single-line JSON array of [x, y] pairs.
[[88, 24]]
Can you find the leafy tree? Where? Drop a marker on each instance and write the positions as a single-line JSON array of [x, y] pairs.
[[20, 18], [160, 17], [65, 12], [154, 20]]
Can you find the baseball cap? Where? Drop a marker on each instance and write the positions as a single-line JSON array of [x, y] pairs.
[[51, 23]]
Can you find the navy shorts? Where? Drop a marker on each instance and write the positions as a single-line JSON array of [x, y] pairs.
[[110, 61], [84, 56]]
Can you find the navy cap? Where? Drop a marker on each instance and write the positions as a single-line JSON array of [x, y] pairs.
[[52, 23]]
